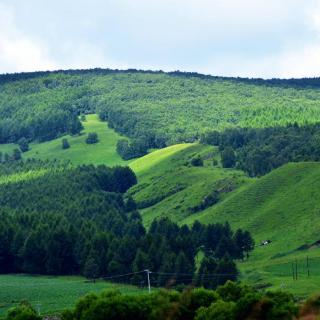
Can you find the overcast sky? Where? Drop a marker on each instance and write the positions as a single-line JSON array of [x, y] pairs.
[[248, 38]]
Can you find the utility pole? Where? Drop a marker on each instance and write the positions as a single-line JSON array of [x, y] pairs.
[[296, 269], [148, 277], [308, 266]]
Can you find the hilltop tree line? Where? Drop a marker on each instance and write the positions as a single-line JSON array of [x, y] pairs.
[[59, 219], [258, 151]]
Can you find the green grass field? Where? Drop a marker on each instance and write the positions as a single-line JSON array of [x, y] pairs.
[[283, 207], [169, 186], [50, 295], [103, 152]]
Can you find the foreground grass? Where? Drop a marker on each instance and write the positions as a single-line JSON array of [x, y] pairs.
[[50, 295], [103, 152]]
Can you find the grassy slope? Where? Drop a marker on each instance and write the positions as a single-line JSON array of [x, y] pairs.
[[103, 152], [284, 207], [50, 294], [170, 186]]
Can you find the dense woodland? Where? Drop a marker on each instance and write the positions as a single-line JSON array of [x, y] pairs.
[[154, 108], [59, 219], [258, 151]]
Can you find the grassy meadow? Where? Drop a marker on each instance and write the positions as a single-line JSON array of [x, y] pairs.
[[168, 185], [103, 152], [50, 294]]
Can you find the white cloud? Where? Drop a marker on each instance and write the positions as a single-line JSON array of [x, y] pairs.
[[18, 52], [255, 38]]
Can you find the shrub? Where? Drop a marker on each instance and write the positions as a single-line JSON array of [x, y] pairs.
[[23, 144], [197, 161], [23, 311], [219, 310]]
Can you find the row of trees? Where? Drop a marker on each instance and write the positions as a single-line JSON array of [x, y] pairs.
[[228, 302], [92, 138], [77, 220], [258, 151], [134, 149]]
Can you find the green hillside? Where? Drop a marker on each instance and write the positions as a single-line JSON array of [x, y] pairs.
[[170, 107], [283, 207], [103, 152], [168, 185]]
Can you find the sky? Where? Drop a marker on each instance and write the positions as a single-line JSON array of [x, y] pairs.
[[245, 38]]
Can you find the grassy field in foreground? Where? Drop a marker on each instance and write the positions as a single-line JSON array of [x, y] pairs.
[[50, 295], [103, 152]]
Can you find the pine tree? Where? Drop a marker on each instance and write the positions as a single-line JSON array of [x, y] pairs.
[[183, 269], [91, 269], [228, 158], [65, 144]]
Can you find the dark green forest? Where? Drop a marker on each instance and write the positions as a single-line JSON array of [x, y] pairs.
[[60, 219], [258, 151]]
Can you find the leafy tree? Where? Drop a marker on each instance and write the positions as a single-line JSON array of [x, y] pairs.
[[92, 138], [65, 144], [134, 149], [91, 269], [219, 310]]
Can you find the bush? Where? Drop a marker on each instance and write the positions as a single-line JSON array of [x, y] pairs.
[[23, 311], [219, 310], [92, 138], [197, 161], [23, 144]]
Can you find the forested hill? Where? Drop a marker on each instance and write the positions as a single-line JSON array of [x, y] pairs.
[[156, 107]]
